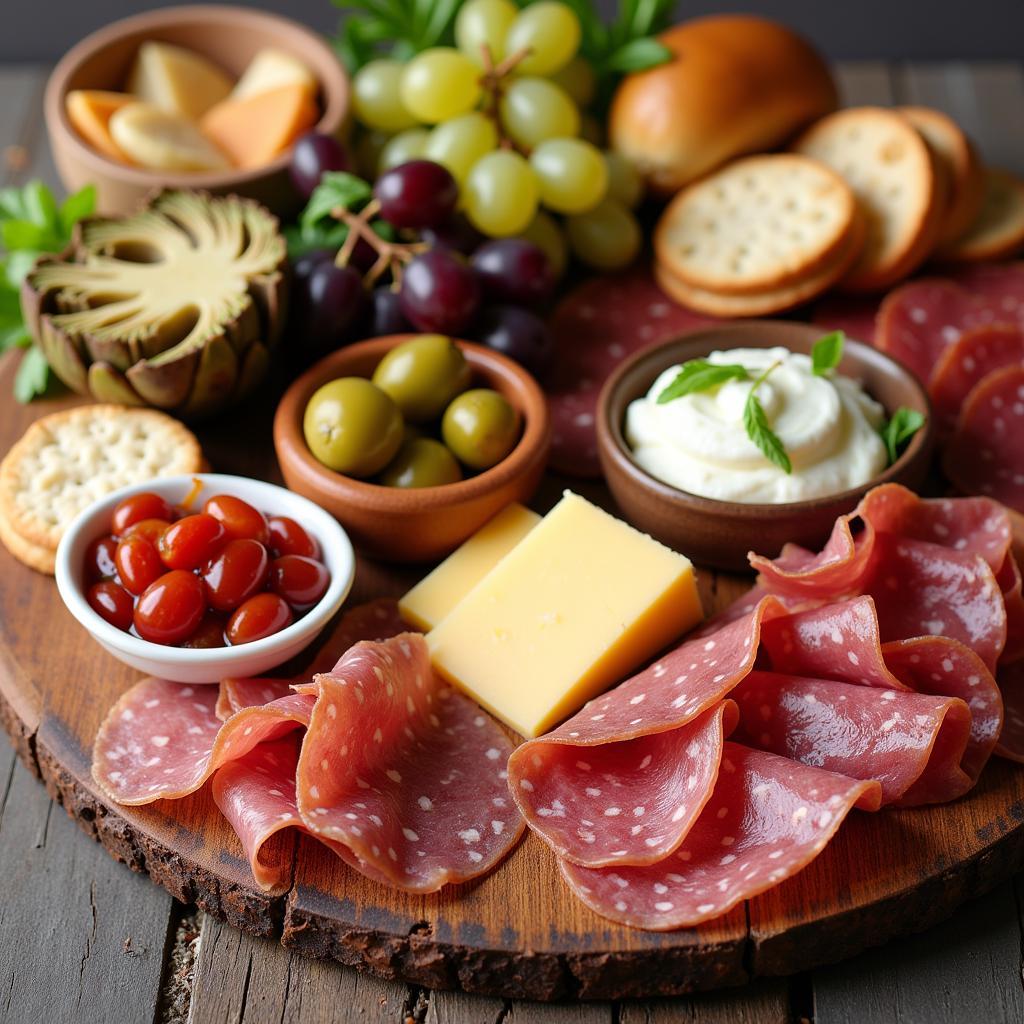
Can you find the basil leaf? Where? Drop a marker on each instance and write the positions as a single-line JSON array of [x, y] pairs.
[[827, 353], [700, 375], [33, 375], [336, 188], [905, 423], [756, 423], [77, 206], [638, 55]]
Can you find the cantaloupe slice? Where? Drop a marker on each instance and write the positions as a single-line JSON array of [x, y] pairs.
[[270, 69], [89, 111], [255, 130], [176, 79], [164, 140]]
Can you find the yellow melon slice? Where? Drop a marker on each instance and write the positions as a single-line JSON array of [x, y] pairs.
[[179, 80]]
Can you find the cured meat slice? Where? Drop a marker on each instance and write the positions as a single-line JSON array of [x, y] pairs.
[[854, 315], [899, 739], [407, 773], [985, 454], [1011, 739], [968, 361], [999, 285], [236, 694], [594, 328], [1009, 580], [767, 819]]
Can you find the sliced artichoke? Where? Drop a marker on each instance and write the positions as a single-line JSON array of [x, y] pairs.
[[177, 306]]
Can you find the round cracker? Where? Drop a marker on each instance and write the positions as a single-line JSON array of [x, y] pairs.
[[999, 230], [958, 155], [756, 225], [35, 557], [69, 459], [893, 175]]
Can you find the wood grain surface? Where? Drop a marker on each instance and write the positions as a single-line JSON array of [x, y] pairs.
[[968, 970]]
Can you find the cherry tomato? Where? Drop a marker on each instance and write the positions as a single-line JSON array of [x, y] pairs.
[[138, 564], [139, 506], [300, 581], [99, 559], [112, 603], [260, 616], [191, 542], [209, 634], [288, 538], [171, 609], [239, 518], [151, 529], [238, 572]]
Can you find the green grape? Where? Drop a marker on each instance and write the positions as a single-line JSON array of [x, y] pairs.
[[461, 142], [402, 148], [483, 23], [607, 237], [368, 148], [624, 181], [534, 109], [577, 78], [500, 195], [440, 84], [550, 31], [592, 130], [572, 175], [545, 233], [376, 96]]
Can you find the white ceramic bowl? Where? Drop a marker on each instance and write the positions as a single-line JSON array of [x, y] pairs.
[[187, 665]]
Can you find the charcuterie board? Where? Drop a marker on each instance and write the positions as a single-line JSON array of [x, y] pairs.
[[518, 932]]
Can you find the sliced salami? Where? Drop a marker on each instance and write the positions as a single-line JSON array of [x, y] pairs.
[[767, 819], [594, 328], [985, 454]]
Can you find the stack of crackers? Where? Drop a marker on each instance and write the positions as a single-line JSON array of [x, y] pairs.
[[865, 196], [67, 460]]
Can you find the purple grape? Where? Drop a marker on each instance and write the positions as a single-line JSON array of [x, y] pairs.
[[514, 270], [386, 316], [456, 234], [516, 333], [440, 292], [328, 307], [417, 194], [312, 155], [307, 262]]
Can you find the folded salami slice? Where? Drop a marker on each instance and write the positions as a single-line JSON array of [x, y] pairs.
[[985, 454], [404, 771], [236, 694], [767, 819]]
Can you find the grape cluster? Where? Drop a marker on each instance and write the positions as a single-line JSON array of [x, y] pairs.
[[501, 111]]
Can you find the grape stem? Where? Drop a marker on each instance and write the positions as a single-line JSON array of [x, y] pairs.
[[390, 255], [493, 82]]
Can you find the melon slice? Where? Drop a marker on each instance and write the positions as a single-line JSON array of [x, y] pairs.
[[163, 140], [255, 130], [178, 80], [89, 111], [270, 69]]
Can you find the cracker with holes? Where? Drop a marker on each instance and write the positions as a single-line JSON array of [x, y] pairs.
[[896, 180], [67, 460], [757, 225], [998, 231]]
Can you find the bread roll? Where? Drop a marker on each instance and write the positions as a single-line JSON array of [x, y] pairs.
[[738, 84]]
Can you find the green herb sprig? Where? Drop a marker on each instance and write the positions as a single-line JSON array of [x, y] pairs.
[[31, 224], [755, 421], [318, 228], [899, 429]]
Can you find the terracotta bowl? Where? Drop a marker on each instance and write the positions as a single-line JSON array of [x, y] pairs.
[[230, 37], [720, 533], [421, 524]]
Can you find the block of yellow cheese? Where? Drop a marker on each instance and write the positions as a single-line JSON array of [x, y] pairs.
[[577, 604], [439, 592]]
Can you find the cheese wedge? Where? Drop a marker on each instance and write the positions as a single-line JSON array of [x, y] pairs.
[[163, 141], [437, 594], [270, 69], [177, 80], [575, 606], [90, 110]]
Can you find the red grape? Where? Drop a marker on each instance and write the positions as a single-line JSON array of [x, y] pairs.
[[456, 233], [387, 316], [112, 603], [99, 558], [329, 306], [440, 292], [238, 517], [238, 572], [192, 541], [139, 506], [514, 270], [260, 616], [170, 609], [138, 564], [288, 538], [312, 155], [300, 581], [417, 194], [516, 333]]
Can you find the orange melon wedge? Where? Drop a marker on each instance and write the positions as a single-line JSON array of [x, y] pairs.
[[90, 111]]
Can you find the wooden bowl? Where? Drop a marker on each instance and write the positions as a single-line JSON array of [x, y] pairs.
[[420, 524], [230, 37], [720, 533]]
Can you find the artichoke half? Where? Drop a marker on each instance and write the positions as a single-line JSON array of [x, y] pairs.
[[177, 306]]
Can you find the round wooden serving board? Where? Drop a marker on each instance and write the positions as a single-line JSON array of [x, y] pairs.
[[518, 932]]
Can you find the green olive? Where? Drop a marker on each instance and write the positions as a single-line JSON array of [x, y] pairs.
[[352, 427], [421, 462], [480, 427], [423, 375]]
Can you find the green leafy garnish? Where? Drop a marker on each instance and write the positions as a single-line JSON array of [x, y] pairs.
[[899, 429], [755, 420], [827, 352], [31, 224], [700, 375], [317, 228], [395, 28]]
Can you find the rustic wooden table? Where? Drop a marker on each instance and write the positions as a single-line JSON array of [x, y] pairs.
[[84, 939]]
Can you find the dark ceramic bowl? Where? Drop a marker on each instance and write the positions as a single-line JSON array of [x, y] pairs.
[[720, 533]]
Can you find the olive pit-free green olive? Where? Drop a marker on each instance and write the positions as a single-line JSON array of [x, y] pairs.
[[421, 462], [423, 375], [480, 427], [352, 427]]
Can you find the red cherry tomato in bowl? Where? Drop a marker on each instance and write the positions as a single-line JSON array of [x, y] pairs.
[[151, 529], [239, 519], [138, 564], [209, 634], [170, 609], [260, 616], [112, 603], [300, 581], [133, 509], [192, 541], [99, 559], [238, 572], [288, 538]]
